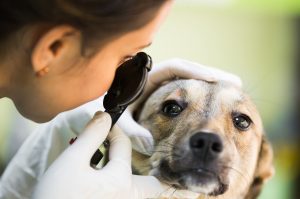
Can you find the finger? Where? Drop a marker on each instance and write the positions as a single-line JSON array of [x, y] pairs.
[[93, 136], [181, 68], [130, 127], [229, 77], [119, 164], [191, 70], [176, 68], [143, 145], [141, 138], [149, 187]]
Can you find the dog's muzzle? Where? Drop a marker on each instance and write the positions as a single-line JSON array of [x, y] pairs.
[[196, 165]]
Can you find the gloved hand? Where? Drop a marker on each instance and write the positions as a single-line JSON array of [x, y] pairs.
[[141, 138], [70, 176], [183, 69]]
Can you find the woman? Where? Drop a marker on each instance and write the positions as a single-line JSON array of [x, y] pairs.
[[57, 55]]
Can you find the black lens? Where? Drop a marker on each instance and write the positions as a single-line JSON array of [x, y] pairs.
[[129, 81]]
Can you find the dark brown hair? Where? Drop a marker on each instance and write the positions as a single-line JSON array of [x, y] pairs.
[[98, 20]]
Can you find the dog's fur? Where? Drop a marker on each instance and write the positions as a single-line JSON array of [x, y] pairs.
[[242, 159]]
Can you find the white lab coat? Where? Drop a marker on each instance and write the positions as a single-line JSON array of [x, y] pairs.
[[41, 148]]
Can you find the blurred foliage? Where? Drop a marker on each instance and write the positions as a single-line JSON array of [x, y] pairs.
[[279, 6]]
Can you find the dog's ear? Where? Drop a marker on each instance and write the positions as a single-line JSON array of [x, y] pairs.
[[137, 110], [139, 104], [264, 169]]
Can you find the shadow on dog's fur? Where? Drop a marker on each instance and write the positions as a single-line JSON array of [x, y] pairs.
[[208, 139]]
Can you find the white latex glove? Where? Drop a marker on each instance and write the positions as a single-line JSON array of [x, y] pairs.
[[70, 176], [183, 69], [141, 138]]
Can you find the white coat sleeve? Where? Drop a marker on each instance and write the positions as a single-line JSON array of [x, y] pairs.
[[41, 148]]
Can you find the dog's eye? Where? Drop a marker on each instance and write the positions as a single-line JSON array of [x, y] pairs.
[[241, 121], [171, 108]]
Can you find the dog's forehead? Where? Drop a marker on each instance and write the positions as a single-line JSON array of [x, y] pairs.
[[204, 92], [221, 91]]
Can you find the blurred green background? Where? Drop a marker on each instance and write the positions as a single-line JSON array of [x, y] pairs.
[[255, 39]]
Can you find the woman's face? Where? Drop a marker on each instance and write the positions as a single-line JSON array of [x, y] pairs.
[[64, 88]]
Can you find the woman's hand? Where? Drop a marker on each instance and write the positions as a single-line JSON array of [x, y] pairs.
[[183, 69], [71, 176], [141, 138]]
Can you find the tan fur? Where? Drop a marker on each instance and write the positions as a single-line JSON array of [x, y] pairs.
[[247, 156]]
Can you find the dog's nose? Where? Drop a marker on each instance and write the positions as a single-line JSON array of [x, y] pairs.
[[206, 145]]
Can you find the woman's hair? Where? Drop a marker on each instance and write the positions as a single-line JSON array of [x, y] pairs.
[[98, 20]]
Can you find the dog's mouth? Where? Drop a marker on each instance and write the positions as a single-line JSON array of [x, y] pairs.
[[199, 180]]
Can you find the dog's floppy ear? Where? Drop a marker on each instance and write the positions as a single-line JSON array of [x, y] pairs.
[[139, 104], [264, 169]]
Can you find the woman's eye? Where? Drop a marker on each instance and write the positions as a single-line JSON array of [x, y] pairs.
[[172, 109], [125, 59], [241, 122]]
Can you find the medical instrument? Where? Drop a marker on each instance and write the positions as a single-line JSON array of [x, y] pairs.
[[128, 84]]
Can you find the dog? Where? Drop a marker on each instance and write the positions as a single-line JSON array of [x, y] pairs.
[[209, 139]]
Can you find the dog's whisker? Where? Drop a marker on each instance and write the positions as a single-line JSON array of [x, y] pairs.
[[164, 151], [161, 151], [245, 173], [172, 194], [245, 178], [165, 143], [166, 146], [161, 194], [162, 146], [169, 143], [166, 156]]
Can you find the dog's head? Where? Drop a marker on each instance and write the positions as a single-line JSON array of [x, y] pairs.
[[208, 139]]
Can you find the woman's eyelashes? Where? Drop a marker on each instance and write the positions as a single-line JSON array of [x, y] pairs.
[[125, 58]]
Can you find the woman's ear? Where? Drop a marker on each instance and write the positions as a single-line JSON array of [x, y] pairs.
[[54, 45]]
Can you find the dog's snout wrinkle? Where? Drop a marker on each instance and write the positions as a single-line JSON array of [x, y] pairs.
[[207, 146]]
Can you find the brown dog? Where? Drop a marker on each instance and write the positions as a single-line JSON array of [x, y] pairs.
[[208, 139]]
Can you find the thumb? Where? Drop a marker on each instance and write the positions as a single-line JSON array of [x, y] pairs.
[[150, 187], [130, 126], [92, 137], [119, 164], [142, 139]]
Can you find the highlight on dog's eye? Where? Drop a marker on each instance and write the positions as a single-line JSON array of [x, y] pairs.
[[171, 108], [241, 121]]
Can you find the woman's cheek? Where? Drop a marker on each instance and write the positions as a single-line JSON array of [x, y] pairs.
[[100, 74], [105, 84]]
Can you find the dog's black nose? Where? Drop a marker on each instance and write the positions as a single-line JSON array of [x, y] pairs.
[[206, 145]]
